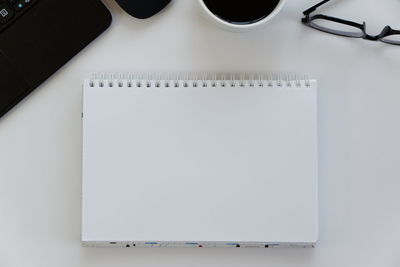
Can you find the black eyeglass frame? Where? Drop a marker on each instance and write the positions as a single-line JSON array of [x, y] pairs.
[[308, 20]]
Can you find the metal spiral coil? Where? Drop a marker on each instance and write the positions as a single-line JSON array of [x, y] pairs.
[[176, 80]]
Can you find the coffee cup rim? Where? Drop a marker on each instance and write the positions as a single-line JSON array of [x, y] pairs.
[[244, 26]]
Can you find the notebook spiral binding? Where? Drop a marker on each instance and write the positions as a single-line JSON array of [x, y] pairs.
[[199, 80]]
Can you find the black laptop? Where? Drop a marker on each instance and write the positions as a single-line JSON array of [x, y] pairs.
[[37, 37]]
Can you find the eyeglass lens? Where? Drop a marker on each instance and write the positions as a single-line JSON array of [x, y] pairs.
[[391, 39], [336, 28]]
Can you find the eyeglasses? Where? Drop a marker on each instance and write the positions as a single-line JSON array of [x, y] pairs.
[[347, 28]]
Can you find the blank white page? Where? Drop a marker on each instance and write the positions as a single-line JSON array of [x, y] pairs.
[[218, 165]]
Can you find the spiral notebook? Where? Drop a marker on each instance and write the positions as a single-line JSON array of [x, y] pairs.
[[189, 162]]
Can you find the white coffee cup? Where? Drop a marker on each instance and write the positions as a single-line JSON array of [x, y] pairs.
[[224, 24]]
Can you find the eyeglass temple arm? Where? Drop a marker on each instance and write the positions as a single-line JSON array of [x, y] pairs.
[[313, 8]]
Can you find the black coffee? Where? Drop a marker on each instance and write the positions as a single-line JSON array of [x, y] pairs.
[[241, 11]]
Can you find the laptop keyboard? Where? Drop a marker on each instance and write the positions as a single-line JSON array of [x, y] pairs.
[[10, 10]]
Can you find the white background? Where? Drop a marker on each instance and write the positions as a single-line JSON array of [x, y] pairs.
[[359, 115]]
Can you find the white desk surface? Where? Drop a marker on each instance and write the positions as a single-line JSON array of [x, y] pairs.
[[359, 115]]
